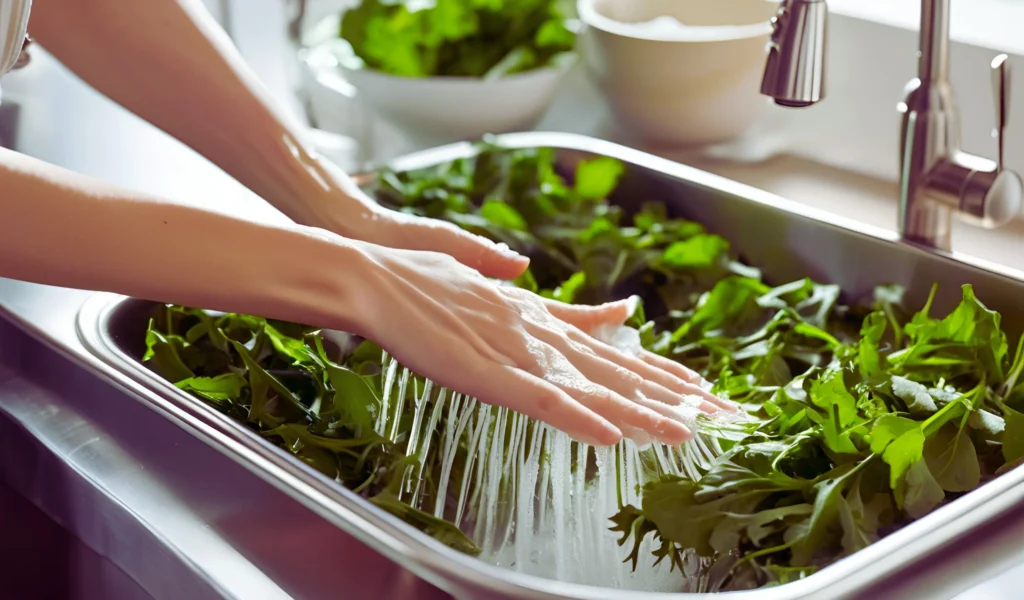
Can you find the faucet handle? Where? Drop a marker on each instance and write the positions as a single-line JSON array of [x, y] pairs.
[[1001, 94]]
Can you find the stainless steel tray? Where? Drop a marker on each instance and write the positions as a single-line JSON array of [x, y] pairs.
[[784, 239]]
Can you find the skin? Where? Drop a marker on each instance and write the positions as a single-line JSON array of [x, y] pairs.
[[417, 287]]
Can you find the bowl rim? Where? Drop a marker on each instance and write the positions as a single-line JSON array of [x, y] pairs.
[[551, 70], [561, 66], [592, 18]]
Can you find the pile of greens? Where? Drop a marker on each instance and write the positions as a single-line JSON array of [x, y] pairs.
[[298, 389], [868, 419], [866, 416], [457, 38]]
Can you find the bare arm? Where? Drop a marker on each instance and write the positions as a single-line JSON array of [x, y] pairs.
[[170, 63], [64, 229], [502, 345]]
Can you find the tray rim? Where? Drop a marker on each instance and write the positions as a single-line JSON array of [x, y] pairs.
[[460, 574]]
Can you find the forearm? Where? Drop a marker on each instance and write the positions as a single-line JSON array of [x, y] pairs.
[[63, 229], [168, 62]]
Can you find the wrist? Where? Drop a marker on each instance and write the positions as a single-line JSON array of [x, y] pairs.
[[295, 182], [343, 207], [315, 192], [323, 284]]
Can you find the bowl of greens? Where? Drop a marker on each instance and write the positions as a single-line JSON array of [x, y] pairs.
[[450, 70]]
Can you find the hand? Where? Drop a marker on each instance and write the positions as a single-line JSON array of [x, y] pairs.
[[509, 347], [355, 215]]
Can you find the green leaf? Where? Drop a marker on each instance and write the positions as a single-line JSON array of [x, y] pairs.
[[1015, 369], [354, 397], [503, 215], [293, 348], [554, 33], [919, 401], [227, 386], [887, 429], [456, 37], [698, 252], [567, 291], [527, 281], [869, 357], [671, 506], [903, 452], [861, 521], [831, 394], [733, 300], [990, 425], [889, 299], [163, 353], [1013, 435], [972, 322], [597, 178], [920, 493], [970, 337], [296, 435], [952, 459], [442, 531], [631, 523], [900, 443], [734, 529], [820, 530], [263, 384]]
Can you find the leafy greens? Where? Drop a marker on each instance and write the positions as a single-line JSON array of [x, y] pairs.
[[865, 416], [858, 434], [457, 38]]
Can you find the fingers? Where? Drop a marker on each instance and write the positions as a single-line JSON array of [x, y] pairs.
[[610, 390], [687, 375], [623, 413], [667, 373], [542, 401], [653, 373], [589, 318], [417, 233], [663, 396]]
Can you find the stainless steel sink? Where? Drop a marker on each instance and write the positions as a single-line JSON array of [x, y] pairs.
[[138, 507], [784, 239]]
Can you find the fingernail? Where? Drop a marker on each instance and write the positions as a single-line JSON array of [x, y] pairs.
[[673, 432], [507, 252], [632, 303], [709, 407]]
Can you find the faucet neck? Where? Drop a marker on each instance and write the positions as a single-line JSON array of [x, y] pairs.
[[933, 60]]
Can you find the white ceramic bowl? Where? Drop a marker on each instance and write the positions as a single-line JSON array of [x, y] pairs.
[[669, 84], [439, 110], [427, 111]]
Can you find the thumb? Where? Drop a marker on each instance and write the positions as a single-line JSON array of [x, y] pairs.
[[490, 259], [589, 318]]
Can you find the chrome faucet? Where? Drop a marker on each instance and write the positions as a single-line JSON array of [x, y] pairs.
[[937, 179]]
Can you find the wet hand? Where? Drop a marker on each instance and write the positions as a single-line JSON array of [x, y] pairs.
[[509, 347]]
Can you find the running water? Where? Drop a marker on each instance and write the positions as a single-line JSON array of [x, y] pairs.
[[534, 500]]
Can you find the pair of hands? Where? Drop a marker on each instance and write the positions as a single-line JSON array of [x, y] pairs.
[[432, 306]]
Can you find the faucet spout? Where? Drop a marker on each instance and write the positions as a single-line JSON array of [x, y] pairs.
[[794, 75]]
